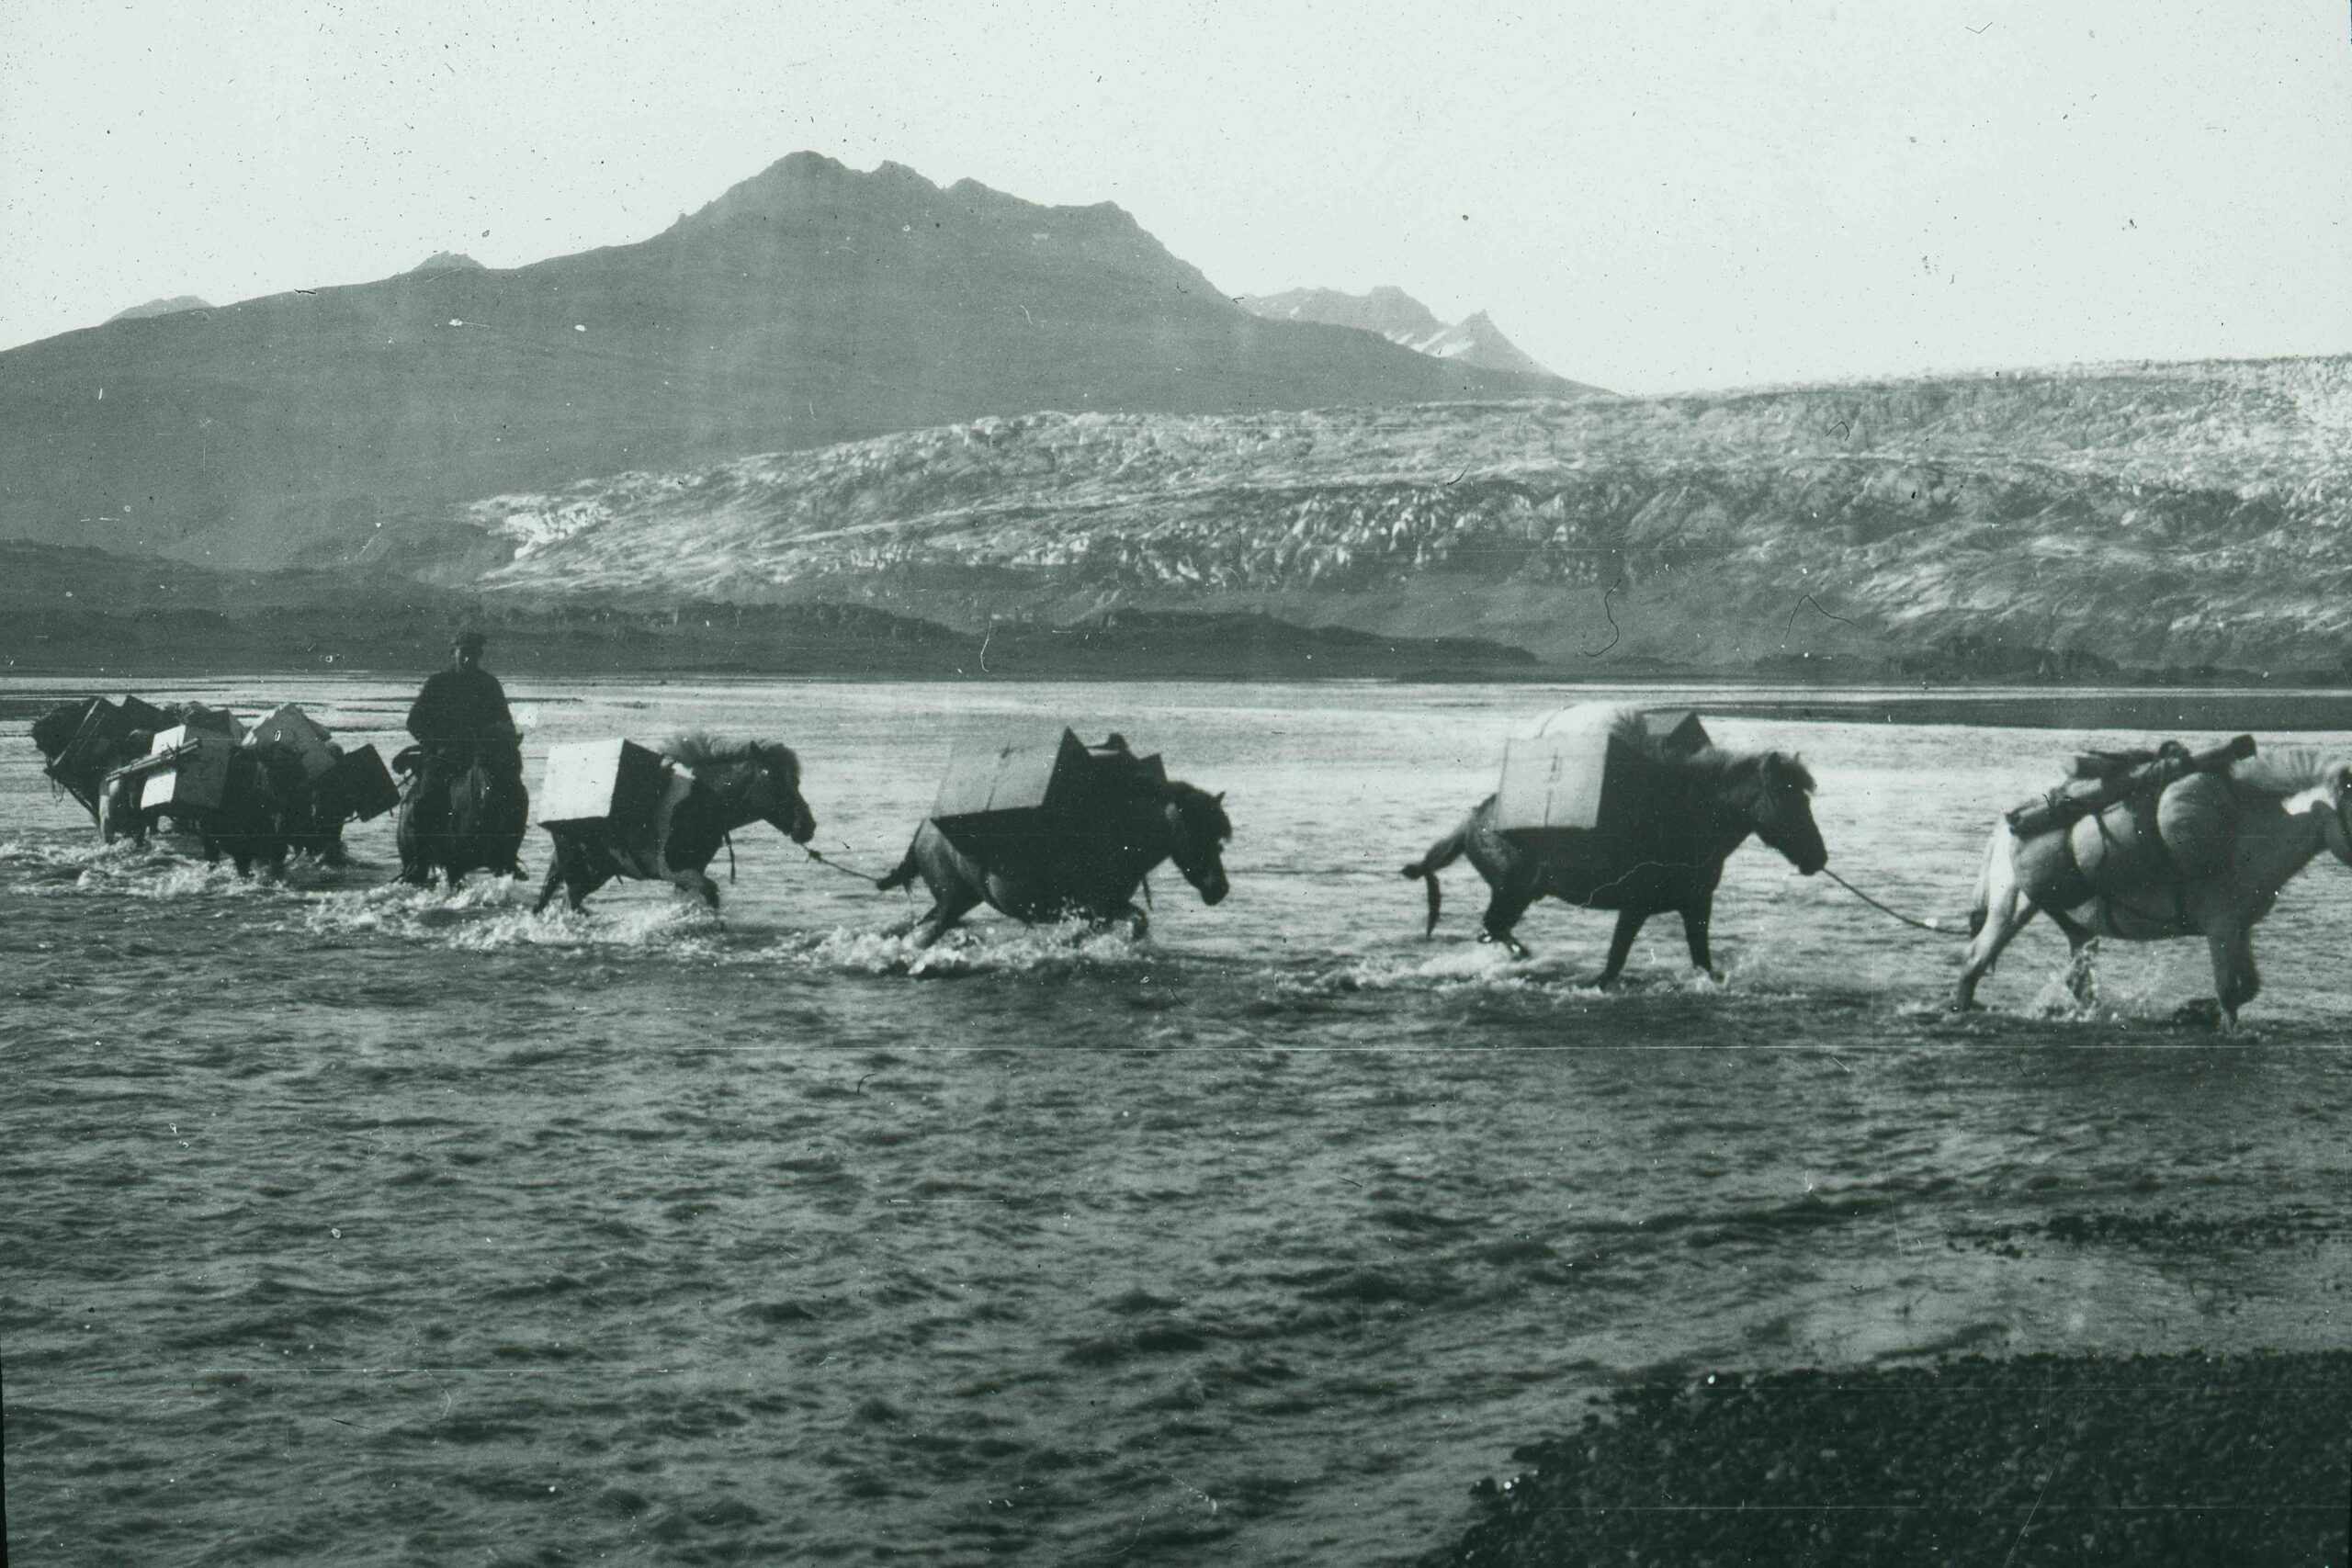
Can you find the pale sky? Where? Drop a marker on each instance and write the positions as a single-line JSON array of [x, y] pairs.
[[1651, 194]]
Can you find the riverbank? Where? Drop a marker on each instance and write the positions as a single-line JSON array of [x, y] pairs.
[[2046, 1458]]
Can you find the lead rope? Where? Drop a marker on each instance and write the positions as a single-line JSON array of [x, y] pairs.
[[729, 838], [1934, 926], [835, 865]]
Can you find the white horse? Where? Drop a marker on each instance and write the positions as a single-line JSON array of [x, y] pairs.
[[2207, 859]]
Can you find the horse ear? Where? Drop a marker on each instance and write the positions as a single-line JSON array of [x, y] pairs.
[[1219, 798]]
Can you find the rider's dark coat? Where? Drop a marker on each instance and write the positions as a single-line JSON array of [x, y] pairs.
[[459, 704]]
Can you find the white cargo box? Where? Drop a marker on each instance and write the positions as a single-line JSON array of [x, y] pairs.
[[1554, 780], [196, 780], [618, 782], [1577, 771], [296, 731]]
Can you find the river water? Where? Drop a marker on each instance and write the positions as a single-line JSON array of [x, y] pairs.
[[349, 1223]]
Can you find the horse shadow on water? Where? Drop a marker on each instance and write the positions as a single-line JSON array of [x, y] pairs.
[[2206, 857], [1091, 871], [1687, 814], [730, 785]]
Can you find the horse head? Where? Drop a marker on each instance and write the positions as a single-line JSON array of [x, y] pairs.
[[1781, 811], [1197, 831], [775, 794]]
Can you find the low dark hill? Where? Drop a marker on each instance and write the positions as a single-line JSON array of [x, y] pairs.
[[2044, 526], [811, 304], [86, 614]]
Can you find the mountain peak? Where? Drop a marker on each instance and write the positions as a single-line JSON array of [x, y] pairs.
[[908, 221], [171, 307], [807, 181], [445, 261], [1395, 315], [810, 304]]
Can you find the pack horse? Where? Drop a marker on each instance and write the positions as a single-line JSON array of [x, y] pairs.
[[2158, 845], [1046, 828], [617, 809], [1611, 807]]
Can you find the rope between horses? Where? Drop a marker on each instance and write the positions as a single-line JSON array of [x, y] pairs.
[[1896, 914], [836, 865]]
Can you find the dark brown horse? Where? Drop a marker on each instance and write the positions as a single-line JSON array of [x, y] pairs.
[[478, 822], [1090, 870], [734, 784], [1690, 813]]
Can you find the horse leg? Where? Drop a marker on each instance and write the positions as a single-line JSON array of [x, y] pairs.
[[1698, 915], [555, 880], [2236, 980], [1620, 945], [1141, 926], [942, 916], [2001, 912], [2082, 948], [1508, 901], [696, 882]]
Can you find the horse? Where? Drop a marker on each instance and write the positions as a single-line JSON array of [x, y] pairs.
[[2207, 857], [482, 818], [1091, 871], [732, 784], [81, 770], [267, 806], [1692, 812]]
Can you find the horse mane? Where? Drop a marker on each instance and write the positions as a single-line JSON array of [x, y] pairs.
[[1194, 802], [700, 748], [2282, 771]]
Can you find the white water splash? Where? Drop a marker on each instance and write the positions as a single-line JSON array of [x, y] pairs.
[[994, 949], [493, 914]]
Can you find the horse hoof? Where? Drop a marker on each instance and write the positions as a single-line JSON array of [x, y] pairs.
[[2200, 1012]]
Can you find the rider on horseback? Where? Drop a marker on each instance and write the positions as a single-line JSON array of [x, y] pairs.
[[461, 714]]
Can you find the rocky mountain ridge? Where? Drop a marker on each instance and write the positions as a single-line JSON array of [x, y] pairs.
[[2158, 516]]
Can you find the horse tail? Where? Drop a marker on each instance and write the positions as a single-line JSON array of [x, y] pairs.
[[1980, 910], [904, 874], [1443, 853]]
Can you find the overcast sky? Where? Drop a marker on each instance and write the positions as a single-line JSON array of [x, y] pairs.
[[1646, 194]]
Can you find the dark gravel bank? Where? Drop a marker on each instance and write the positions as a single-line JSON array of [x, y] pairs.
[[2143, 1461]]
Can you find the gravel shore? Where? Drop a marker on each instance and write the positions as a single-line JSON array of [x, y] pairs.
[[2144, 1460]]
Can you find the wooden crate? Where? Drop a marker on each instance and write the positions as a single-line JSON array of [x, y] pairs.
[[289, 727], [617, 783], [196, 779], [1004, 790], [1576, 774], [358, 787]]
